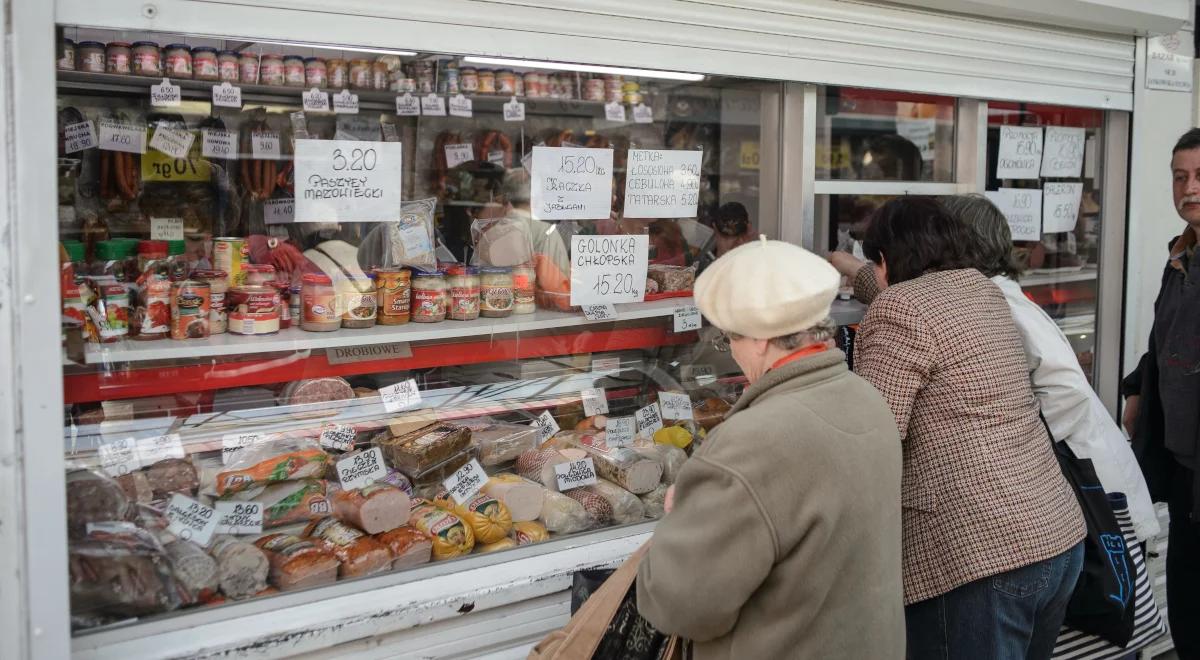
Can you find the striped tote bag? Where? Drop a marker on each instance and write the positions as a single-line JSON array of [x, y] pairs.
[[1148, 624]]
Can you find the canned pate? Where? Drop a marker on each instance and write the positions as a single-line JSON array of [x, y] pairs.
[[116, 311], [218, 283], [191, 305], [153, 315], [229, 255], [253, 310]]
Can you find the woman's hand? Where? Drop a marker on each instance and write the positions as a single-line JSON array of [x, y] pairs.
[[669, 500], [845, 263], [1129, 418]]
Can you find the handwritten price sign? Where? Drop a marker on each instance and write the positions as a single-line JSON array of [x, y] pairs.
[[608, 269]]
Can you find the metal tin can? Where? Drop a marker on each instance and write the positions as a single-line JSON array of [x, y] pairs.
[[394, 291], [147, 59], [152, 319], [118, 56], [315, 72], [253, 310], [270, 70], [336, 73], [258, 274], [191, 307], [248, 68], [218, 282], [450, 83], [227, 66], [229, 255]]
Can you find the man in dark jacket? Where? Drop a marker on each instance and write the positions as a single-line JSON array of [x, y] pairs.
[[1163, 405]]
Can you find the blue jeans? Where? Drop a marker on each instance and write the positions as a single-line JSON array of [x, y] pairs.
[[1010, 616]]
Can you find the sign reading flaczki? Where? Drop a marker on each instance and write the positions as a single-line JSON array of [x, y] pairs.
[[347, 181]]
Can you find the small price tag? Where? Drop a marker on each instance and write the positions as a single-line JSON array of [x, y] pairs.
[[495, 157], [315, 100], [361, 469], [264, 146], [606, 365], [614, 112], [219, 143], [457, 154], [546, 426], [79, 136], [594, 402], [433, 106], [226, 96], [239, 517], [643, 114], [345, 103], [279, 211], [232, 443], [408, 106], [338, 436], [119, 136], [119, 457], [620, 431], [514, 110], [605, 312], [701, 374], [649, 419], [166, 229], [460, 106], [687, 318], [675, 405], [466, 482], [165, 95], [174, 142], [575, 474], [160, 448], [400, 396], [191, 520]]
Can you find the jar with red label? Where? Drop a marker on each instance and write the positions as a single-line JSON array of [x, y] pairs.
[[270, 70], [151, 253], [360, 74], [393, 290], [253, 310], [429, 296], [248, 68], [191, 309], [118, 58], [336, 73], [227, 67], [152, 318], [258, 274], [147, 59], [315, 72], [523, 278], [204, 63], [318, 302], [178, 59], [495, 292], [90, 57], [218, 286], [293, 71], [463, 283]]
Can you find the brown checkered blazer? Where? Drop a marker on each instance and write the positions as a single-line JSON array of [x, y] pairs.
[[982, 492]]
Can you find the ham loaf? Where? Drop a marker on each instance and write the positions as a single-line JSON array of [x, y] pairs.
[[377, 508], [522, 497], [409, 547], [241, 567], [298, 563], [358, 553]]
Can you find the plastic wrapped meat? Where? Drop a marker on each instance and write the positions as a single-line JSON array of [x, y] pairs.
[[409, 547], [269, 462], [522, 497], [374, 509], [122, 571], [358, 553], [241, 567], [195, 570], [566, 515], [316, 390], [288, 502], [415, 452], [91, 498], [501, 443]]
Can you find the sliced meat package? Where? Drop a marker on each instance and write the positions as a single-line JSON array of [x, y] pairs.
[[359, 554], [288, 502], [241, 567], [377, 508], [91, 498], [195, 570], [451, 536], [119, 570], [413, 453], [173, 475], [489, 519], [271, 462], [562, 514], [500, 443], [298, 563], [522, 497], [409, 546]]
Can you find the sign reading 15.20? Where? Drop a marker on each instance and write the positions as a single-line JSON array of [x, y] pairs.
[[575, 164], [360, 160]]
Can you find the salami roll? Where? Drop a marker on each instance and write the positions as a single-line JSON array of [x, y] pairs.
[[597, 506], [359, 554], [409, 547], [298, 563], [377, 508], [241, 567], [195, 571]]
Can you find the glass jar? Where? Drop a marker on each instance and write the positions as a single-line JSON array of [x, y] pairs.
[[294, 302], [177, 265], [147, 59], [523, 278], [178, 59], [204, 63], [533, 85], [506, 82], [227, 67], [379, 75], [335, 73], [285, 304], [359, 74], [463, 282], [468, 80], [258, 274], [315, 73], [356, 300], [428, 296], [318, 302], [593, 89], [89, 57], [495, 292], [248, 68], [393, 291], [293, 71], [218, 282], [117, 58], [487, 81], [151, 253], [66, 59], [270, 70]]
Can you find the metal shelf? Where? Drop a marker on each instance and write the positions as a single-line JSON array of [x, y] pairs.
[[1043, 279]]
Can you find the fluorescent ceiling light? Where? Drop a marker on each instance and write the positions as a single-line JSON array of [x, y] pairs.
[[304, 44], [589, 68]]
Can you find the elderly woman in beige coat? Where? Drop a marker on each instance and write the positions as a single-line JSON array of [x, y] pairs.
[[784, 538]]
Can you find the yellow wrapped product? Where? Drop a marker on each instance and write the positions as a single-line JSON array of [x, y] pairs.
[[487, 517], [451, 536], [525, 533], [673, 435], [503, 544]]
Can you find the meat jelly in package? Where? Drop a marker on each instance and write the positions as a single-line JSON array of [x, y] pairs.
[[270, 462], [118, 570]]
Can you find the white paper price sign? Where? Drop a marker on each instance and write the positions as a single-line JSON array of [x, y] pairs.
[[687, 318], [338, 436], [433, 106], [345, 103], [314, 100], [1023, 210], [226, 96], [219, 143], [174, 142], [1062, 153], [575, 474], [165, 95], [347, 181], [191, 520], [1060, 206], [614, 112], [78, 137], [1169, 63], [620, 431], [239, 517], [594, 402], [166, 229], [643, 114], [466, 482], [546, 426], [662, 183], [119, 457], [400, 396], [361, 469], [608, 269], [675, 405], [460, 106], [160, 448], [408, 106], [120, 136], [1020, 155], [571, 183], [279, 211], [232, 443], [265, 146], [457, 154], [514, 110], [605, 312], [649, 419]]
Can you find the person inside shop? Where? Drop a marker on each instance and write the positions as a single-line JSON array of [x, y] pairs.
[[891, 157], [1161, 410], [731, 228], [992, 530], [783, 535]]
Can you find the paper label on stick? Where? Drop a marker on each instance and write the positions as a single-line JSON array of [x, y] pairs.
[[643, 114], [466, 482], [604, 312], [1060, 206], [457, 154], [265, 146], [614, 112], [226, 96], [675, 405], [433, 106], [279, 211], [338, 436], [239, 517], [594, 402], [408, 105], [314, 100], [191, 520], [219, 143], [575, 474], [514, 110], [1062, 153], [160, 448], [78, 137], [571, 183], [174, 142], [460, 106], [400, 396], [620, 431], [546, 426], [120, 136], [361, 469], [662, 183], [606, 365], [1022, 208], [166, 229], [1020, 154], [348, 181], [119, 457], [649, 419], [608, 269], [165, 95], [345, 103]]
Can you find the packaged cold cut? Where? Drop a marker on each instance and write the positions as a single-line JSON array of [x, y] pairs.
[[622, 465], [409, 547], [374, 509], [522, 497], [136, 487], [289, 501], [710, 412], [410, 241], [672, 278], [489, 519], [597, 506], [119, 570], [537, 465], [396, 478], [172, 475], [270, 462], [428, 484], [451, 536], [194, 569], [298, 563], [360, 554], [525, 533], [92, 498], [315, 390], [626, 506], [670, 457], [241, 567], [566, 515], [503, 544], [416, 451], [655, 500], [501, 443]]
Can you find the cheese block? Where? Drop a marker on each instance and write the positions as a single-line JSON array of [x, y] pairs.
[[490, 520], [626, 507], [409, 547], [522, 497], [525, 533], [451, 536], [374, 509], [565, 515]]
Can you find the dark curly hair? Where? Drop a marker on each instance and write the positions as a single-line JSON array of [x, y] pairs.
[[917, 235]]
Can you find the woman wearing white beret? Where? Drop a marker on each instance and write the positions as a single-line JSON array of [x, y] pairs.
[[784, 535]]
